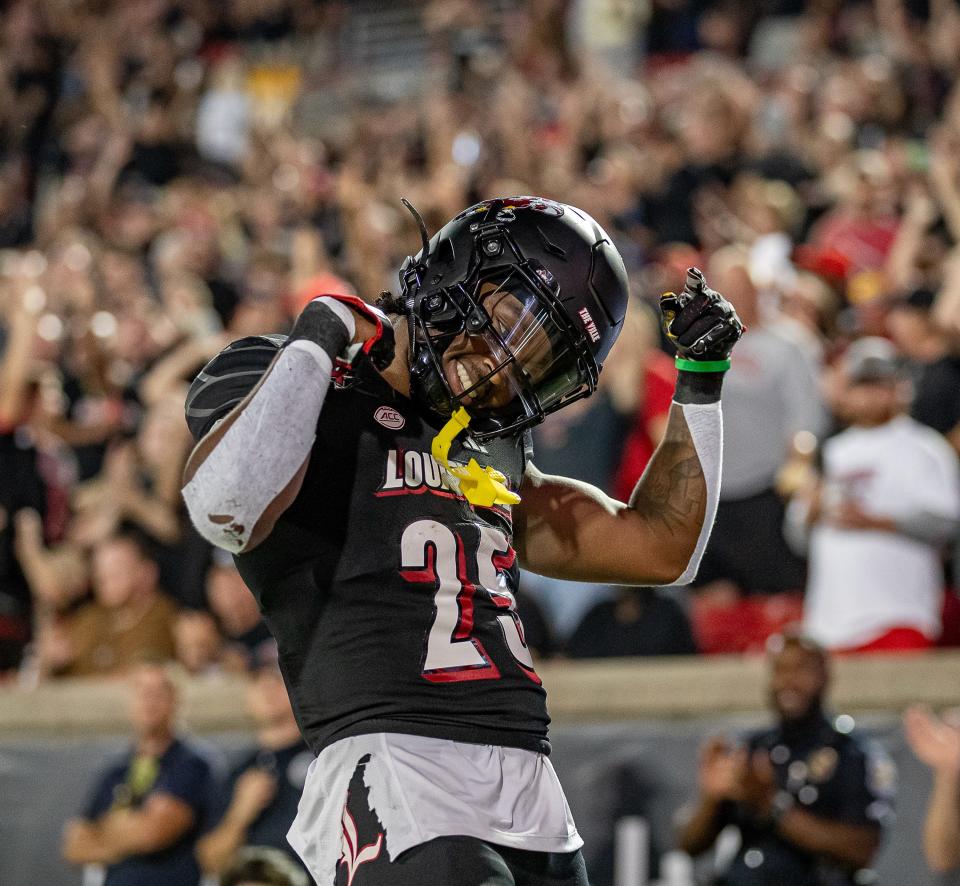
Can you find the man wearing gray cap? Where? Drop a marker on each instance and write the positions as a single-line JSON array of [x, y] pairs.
[[875, 520]]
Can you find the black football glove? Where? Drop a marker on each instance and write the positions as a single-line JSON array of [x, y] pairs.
[[700, 322]]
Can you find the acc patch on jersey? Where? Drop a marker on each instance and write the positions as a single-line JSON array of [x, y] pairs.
[[389, 418]]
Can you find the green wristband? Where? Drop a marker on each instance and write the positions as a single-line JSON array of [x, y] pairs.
[[702, 365]]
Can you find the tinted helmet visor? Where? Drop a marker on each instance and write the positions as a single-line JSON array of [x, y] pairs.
[[503, 350]]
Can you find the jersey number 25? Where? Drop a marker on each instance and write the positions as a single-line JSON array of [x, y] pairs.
[[432, 553]]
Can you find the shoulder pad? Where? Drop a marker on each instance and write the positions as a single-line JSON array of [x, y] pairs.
[[227, 379]]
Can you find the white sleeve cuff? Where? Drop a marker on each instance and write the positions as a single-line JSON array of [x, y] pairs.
[[705, 421]]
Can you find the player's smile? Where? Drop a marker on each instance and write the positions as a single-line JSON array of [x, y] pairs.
[[465, 368], [470, 358]]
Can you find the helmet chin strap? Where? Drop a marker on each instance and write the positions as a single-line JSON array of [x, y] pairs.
[[480, 486]]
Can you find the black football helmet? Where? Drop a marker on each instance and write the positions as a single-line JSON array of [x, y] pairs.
[[568, 296]]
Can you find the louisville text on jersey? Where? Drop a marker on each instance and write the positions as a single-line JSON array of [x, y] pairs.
[[410, 471]]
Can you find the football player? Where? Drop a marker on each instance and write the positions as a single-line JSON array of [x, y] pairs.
[[372, 474]]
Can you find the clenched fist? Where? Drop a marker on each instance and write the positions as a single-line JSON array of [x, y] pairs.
[[700, 322]]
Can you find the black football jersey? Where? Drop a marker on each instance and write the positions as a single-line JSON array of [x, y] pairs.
[[390, 596]]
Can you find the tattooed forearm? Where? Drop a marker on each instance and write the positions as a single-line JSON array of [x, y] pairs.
[[673, 496], [672, 492]]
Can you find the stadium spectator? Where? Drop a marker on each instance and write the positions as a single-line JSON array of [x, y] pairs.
[[933, 362], [808, 314], [773, 394], [561, 441], [260, 866], [198, 642], [145, 811], [58, 575], [809, 798], [749, 583], [133, 486], [23, 485], [644, 377], [888, 498], [863, 225], [265, 787], [936, 742], [129, 620], [639, 621], [248, 640], [562, 604]]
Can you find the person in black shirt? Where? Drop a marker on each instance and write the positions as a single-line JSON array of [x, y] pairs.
[[248, 639], [809, 798], [23, 484], [259, 866], [639, 621], [22, 487], [265, 786], [933, 361], [146, 811], [379, 523]]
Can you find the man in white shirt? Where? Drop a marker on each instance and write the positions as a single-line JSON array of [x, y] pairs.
[[887, 500]]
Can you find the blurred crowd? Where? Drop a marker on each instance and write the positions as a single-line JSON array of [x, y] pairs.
[[175, 174]]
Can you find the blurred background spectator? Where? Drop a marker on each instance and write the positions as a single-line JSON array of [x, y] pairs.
[[145, 812], [936, 742], [638, 621], [247, 641], [887, 501], [129, 619], [198, 643], [808, 797], [265, 787], [260, 866]]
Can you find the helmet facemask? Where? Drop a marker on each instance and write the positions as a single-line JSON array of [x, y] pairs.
[[498, 345]]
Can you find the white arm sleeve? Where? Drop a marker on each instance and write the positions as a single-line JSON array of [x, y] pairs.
[[705, 421], [262, 450]]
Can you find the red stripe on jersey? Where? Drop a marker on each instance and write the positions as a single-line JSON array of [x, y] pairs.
[[530, 674], [456, 675], [383, 493], [429, 571], [465, 597]]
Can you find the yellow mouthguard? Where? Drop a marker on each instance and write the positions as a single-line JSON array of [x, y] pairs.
[[480, 486]]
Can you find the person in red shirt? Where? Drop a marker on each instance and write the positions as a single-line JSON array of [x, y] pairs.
[[657, 378], [862, 226]]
